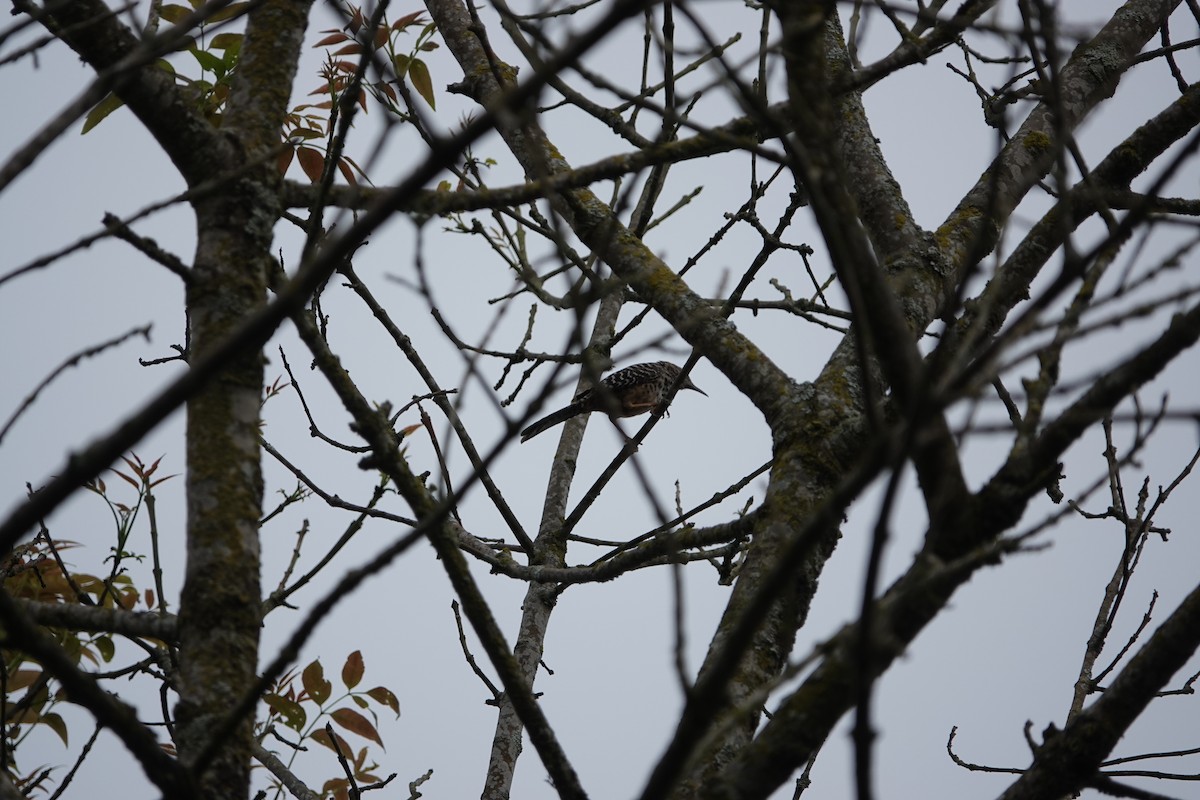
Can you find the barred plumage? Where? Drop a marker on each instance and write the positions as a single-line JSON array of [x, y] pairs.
[[625, 393]]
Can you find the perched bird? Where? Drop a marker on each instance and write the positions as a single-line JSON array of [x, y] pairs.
[[625, 393]]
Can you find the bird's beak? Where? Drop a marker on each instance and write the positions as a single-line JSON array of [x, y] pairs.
[[696, 388]]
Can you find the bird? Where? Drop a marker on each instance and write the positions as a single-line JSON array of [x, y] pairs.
[[625, 393]]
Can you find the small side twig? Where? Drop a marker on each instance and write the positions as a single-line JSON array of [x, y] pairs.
[[462, 640], [148, 247], [72, 361]]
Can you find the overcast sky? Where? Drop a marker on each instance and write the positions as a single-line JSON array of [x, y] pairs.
[[1007, 651]]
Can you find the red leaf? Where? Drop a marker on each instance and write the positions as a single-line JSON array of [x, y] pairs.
[[336, 38], [406, 20], [135, 465], [347, 173], [163, 479], [127, 479], [285, 159], [312, 162]]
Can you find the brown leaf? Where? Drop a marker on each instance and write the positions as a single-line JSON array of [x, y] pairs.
[[355, 722], [352, 670], [313, 679], [321, 736], [384, 696], [23, 678]]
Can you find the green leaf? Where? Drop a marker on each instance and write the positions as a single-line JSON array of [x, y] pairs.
[[307, 134], [173, 13], [355, 722], [34, 704], [229, 12], [293, 715], [227, 41], [418, 74], [106, 647], [56, 723], [208, 61], [313, 679], [95, 117], [352, 670]]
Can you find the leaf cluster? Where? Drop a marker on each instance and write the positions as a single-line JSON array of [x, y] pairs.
[[302, 708]]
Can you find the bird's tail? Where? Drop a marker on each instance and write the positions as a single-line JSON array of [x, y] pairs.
[[550, 420]]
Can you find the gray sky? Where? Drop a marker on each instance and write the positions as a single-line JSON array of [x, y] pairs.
[[1008, 650]]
